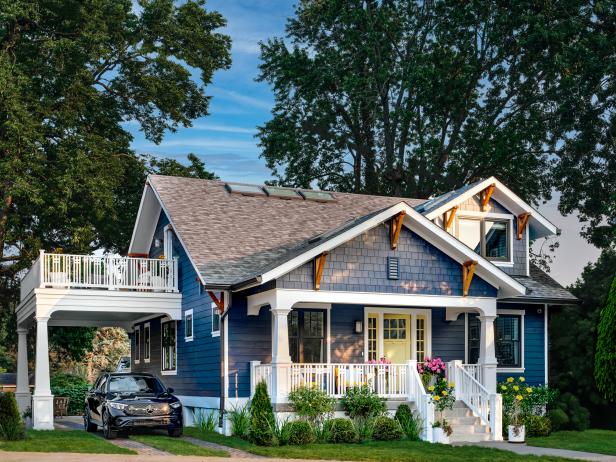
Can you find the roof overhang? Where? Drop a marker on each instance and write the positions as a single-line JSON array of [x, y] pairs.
[[145, 224], [423, 227], [539, 225]]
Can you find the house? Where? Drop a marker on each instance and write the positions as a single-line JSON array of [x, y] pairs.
[[228, 284]]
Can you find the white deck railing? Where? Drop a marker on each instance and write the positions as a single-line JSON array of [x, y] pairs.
[[106, 272]]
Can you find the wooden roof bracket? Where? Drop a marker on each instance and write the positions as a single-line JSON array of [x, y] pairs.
[[220, 303], [394, 229], [522, 221], [468, 271], [319, 266], [448, 219], [485, 197]]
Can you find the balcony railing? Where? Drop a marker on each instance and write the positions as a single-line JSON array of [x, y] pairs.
[[106, 272]]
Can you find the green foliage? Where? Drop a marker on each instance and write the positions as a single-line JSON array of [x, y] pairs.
[[409, 422], [72, 342], [341, 431], [442, 394], [300, 433], [74, 388], [171, 167], [577, 415], [206, 419], [11, 425], [537, 425], [312, 404], [240, 421], [558, 419], [386, 429], [605, 356], [262, 420], [362, 402]]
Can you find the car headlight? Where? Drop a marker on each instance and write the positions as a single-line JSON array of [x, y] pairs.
[[119, 406], [176, 405]]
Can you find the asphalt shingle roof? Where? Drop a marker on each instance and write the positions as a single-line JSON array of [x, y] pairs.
[[542, 287]]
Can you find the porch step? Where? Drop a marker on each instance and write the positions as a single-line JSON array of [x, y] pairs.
[[469, 438], [466, 426]]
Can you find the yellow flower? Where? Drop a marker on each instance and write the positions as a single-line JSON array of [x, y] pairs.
[[516, 388], [504, 387], [436, 397], [522, 379], [529, 390], [445, 393], [509, 379], [450, 385], [519, 397], [431, 388]]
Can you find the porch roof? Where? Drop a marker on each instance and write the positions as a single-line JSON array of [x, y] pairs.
[[542, 288]]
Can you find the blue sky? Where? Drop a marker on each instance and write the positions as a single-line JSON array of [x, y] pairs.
[[225, 139]]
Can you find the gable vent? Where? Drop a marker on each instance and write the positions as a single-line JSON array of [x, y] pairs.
[[393, 268]]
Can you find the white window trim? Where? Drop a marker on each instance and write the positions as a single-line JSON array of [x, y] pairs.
[[470, 214], [162, 358], [137, 345], [192, 326], [146, 360], [512, 370], [413, 312], [215, 333]]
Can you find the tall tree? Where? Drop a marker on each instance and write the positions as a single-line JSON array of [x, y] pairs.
[[605, 356], [415, 98]]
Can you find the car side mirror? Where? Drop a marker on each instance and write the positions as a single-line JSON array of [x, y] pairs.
[[170, 390]]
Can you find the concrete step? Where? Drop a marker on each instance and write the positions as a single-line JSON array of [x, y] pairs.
[[468, 429], [469, 438], [457, 412], [466, 420]]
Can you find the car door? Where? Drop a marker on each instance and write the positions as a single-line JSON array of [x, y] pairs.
[[98, 397]]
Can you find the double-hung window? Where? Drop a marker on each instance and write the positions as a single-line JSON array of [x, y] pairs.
[[508, 336], [307, 332], [169, 347], [146, 342], [137, 345], [188, 326], [489, 237], [215, 320]]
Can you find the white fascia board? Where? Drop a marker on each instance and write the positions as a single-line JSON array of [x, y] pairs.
[[508, 199], [425, 228], [145, 224], [175, 230]]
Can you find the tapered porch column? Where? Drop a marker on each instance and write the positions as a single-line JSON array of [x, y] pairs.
[[487, 353], [22, 392], [42, 401], [281, 359]]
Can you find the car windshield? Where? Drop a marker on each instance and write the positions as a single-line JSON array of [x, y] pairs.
[[135, 384]]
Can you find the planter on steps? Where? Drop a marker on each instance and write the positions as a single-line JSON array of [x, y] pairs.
[[516, 434]]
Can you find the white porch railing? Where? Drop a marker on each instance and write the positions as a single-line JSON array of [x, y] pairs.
[[107, 272], [485, 405], [425, 407]]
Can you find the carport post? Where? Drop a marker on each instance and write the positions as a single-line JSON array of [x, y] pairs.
[[42, 401], [22, 391]]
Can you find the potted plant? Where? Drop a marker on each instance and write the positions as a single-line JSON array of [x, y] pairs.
[[516, 430], [442, 397], [430, 370]]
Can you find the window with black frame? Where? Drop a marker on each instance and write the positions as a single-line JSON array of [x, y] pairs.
[[508, 340], [307, 336], [169, 331]]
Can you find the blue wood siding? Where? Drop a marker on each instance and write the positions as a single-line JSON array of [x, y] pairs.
[[447, 336], [360, 265], [345, 345]]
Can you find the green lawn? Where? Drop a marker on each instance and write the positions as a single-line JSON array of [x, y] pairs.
[[63, 441], [390, 451], [599, 441], [177, 446]]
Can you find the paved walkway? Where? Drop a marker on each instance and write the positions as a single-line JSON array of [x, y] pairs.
[[524, 449], [234, 453]]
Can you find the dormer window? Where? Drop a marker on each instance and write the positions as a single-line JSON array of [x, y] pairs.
[[489, 237]]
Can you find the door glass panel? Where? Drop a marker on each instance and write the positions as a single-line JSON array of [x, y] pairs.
[[372, 338], [421, 338]]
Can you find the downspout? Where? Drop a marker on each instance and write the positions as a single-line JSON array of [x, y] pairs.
[[223, 391]]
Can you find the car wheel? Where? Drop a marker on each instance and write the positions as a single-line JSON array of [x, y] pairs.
[[89, 426], [175, 432], [108, 433]]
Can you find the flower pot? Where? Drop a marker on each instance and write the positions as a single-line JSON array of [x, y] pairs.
[[516, 433], [439, 436]]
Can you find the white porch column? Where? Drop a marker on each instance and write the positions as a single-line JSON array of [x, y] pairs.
[[22, 392], [281, 359], [42, 401], [487, 353]]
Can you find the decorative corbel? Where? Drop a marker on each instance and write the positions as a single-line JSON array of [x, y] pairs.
[[319, 266], [394, 229], [522, 221], [220, 303], [468, 271], [485, 197], [449, 216]]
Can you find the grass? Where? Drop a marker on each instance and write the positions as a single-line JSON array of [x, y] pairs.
[[63, 441], [177, 446], [599, 441], [386, 451]]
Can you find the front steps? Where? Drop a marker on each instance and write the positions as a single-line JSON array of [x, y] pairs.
[[466, 427]]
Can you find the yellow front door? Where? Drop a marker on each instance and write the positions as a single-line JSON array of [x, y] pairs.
[[396, 337]]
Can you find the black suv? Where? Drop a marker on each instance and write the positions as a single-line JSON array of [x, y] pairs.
[[120, 402]]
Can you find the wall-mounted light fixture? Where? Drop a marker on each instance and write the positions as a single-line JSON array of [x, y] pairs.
[[359, 327], [539, 310], [157, 243]]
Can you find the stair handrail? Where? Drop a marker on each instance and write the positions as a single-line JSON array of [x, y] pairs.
[[417, 394], [485, 405]]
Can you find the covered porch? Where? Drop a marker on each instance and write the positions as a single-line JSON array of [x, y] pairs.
[[85, 291]]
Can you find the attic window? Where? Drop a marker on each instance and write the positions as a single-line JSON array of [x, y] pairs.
[[319, 196], [245, 189], [282, 193], [393, 268]]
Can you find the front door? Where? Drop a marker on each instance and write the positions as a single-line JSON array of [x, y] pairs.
[[396, 338], [398, 335]]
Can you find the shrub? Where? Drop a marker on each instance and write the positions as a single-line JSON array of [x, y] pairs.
[[409, 422], [579, 417], [262, 420], [386, 429], [11, 426], [74, 388], [364, 427], [312, 404], [206, 420], [558, 418], [362, 402], [300, 433], [605, 355], [240, 421], [281, 431], [537, 425], [342, 431]]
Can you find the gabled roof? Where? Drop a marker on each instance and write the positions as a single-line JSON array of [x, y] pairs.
[[542, 288], [539, 225]]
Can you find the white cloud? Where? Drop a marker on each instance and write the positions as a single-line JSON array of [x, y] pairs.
[[241, 98], [224, 128], [233, 145]]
